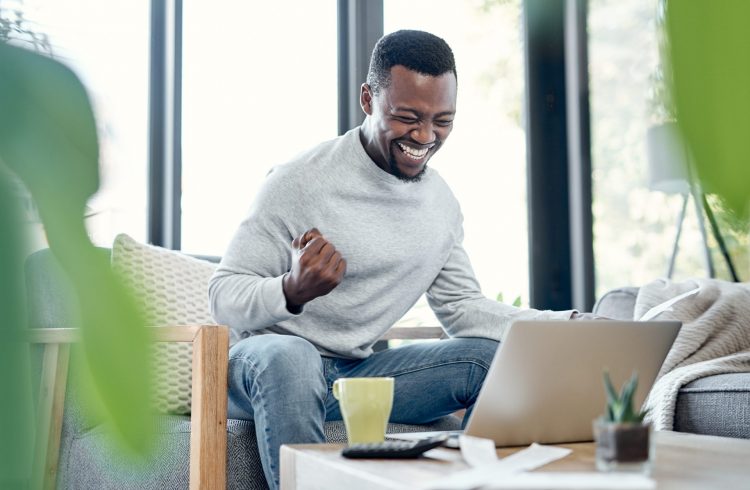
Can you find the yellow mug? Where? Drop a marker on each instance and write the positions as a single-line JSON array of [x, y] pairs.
[[365, 406]]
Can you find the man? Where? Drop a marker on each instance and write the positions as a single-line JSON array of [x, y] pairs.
[[339, 244]]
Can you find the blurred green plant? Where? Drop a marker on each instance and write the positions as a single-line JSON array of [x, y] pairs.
[[516, 302], [620, 406], [707, 45], [48, 139], [16, 424]]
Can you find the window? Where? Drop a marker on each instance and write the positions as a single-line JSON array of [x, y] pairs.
[[259, 86], [484, 160], [106, 44], [635, 226]]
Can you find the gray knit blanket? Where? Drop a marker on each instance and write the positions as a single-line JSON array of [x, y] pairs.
[[714, 339]]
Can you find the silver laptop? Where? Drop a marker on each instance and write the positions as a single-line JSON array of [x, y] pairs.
[[545, 383]]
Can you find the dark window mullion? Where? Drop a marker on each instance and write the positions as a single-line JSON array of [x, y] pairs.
[[165, 94], [360, 24], [156, 124], [547, 156]]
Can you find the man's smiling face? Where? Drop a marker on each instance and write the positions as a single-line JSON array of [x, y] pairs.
[[408, 121]]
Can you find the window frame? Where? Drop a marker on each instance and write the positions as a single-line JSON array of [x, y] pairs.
[[557, 120]]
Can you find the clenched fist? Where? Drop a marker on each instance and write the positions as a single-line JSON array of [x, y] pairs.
[[317, 268]]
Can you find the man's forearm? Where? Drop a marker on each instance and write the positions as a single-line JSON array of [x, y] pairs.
[[246, 302]]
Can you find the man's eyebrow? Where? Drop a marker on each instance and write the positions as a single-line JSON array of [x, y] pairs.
[[417, 113], [405, 109]]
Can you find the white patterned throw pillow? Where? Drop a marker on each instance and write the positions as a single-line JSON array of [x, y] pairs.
[[174, 290]]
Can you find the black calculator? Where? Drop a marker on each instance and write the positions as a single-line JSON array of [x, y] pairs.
[[393, 449]]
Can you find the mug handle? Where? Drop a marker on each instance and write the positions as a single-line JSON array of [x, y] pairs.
[[335, 389]]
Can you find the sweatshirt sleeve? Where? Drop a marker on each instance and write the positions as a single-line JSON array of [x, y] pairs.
[[246, 292], [457, 300]]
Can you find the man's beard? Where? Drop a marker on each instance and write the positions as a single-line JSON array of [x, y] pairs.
[[396, 172]]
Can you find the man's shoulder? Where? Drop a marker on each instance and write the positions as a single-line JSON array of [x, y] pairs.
[[305, 174], [288, 183], [319, 156]]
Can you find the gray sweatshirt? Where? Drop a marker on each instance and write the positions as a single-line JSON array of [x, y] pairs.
[[399, 239]]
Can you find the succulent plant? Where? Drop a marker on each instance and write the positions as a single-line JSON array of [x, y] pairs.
[[620, 407]]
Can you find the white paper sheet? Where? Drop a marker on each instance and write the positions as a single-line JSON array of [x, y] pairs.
[[531, 458], [667, 305], [450, 455], [477, 451], [527, 459]]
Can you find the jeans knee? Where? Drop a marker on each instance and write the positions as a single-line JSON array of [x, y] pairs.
[[278, 355], [480, 350]]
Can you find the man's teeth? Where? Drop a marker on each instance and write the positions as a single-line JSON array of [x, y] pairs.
[[413, 153]]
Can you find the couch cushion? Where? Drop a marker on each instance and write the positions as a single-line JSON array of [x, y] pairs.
[[715, 405], [95, 466], [173, 288]]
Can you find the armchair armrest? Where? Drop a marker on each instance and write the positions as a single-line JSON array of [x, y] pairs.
[[52, 335], [208, 437], [171, 333], [208, 420]]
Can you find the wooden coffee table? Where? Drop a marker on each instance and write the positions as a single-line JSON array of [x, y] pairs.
[[683, 461]]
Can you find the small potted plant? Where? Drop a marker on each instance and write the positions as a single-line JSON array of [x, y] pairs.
[[622, 437]]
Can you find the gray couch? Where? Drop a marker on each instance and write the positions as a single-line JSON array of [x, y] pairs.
[[86, 459], [715, 405]]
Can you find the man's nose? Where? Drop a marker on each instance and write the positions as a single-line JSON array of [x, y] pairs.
[[424, 133]]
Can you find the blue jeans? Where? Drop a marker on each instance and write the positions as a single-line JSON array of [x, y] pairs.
[[284, 385]]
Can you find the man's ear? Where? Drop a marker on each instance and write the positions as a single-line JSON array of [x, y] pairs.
[[365, 98]]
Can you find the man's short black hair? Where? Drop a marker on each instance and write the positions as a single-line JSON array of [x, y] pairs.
[[419, 51]]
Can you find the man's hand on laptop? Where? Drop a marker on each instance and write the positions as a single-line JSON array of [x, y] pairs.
[[587, 316]]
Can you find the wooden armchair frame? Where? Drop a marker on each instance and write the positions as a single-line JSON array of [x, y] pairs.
[[208, 435]]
